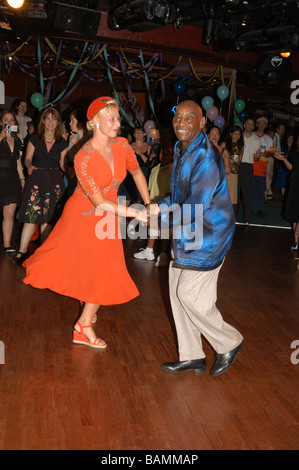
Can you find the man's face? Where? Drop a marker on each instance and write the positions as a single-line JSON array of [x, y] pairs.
[[261, 126], [188, 121], [280, 130], [249, 125]]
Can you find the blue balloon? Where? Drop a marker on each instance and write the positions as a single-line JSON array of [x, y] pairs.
[[179, 87], [219, 121], [243, 115], [207, 102], [222, 92]]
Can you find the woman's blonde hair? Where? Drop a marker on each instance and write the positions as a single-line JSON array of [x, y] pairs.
[[113, 103], [41, 125]]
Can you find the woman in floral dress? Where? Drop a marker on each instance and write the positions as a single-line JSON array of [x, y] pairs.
[[44, 187]]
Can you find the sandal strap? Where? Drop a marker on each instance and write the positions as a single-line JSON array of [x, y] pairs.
[[98, 341], [82, 326]]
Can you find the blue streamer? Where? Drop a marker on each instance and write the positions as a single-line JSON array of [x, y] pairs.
[[71, 77], [147, 84], [114, 90]]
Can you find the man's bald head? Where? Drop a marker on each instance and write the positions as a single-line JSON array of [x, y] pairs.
[[188, 121]]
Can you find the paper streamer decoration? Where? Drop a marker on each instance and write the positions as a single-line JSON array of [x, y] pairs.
[[114, 90]]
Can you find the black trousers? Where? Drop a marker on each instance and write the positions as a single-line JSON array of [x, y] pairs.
[[245, 175]]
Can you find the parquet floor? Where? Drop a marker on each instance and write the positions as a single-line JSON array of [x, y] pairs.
[[56, 395]]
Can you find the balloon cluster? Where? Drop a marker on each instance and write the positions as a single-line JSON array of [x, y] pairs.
[[212, 111], [241, 113]]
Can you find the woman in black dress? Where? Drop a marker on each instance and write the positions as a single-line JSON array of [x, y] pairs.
[[45, 156], [291, 209], [11, 176]]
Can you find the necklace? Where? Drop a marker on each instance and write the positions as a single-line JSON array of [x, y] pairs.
[[49, 141]]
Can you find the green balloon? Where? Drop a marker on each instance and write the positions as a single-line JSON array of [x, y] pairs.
[[237, 120], [37, 100], [239, 105]]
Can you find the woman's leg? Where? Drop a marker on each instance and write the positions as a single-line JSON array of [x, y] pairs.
[[296, 232], [45, 230], [7, 224], [27, 232]]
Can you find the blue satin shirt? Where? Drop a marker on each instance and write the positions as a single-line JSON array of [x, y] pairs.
[[199, 209]]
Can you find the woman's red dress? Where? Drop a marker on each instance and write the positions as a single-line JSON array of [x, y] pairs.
[[76, 260]]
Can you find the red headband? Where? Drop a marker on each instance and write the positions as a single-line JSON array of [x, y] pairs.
[[96, 106]]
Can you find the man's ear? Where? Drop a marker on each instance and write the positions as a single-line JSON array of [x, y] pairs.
[[202, 122]]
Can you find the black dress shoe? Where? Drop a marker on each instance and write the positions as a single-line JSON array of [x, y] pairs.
[[19, 258], [199, 365], [224, 361]]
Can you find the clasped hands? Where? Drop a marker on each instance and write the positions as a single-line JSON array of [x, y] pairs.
[[149, 215]]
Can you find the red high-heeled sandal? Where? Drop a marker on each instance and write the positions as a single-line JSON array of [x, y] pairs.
[[80, 338]]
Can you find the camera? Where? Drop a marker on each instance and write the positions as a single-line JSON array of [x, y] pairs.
[[12, 128]]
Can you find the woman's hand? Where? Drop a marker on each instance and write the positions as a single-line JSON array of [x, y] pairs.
[[279, 156], [142, 216], [30, 169]]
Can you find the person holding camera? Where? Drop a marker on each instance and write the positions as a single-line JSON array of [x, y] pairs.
[[12, 178]]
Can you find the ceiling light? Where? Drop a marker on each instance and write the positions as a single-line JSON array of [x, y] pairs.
[[15, 3]]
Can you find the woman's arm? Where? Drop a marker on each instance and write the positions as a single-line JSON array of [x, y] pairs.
[[28, 158], [20, 172], [63, 157], [284, 159], [141, 184], [107, 205], [226, 159], [120, 209]]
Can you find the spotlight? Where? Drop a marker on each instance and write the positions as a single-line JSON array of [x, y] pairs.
[[225, 38], [15, 3], [159, 10]]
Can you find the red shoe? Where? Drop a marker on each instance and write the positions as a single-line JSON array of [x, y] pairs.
[[80, 338]]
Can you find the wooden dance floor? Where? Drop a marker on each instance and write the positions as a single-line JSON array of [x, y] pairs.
[[56, 395]]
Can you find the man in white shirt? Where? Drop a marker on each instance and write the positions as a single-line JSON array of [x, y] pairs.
[[266, 143], [245, 174]]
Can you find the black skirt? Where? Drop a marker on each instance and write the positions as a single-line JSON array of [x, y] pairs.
[[41, 195]]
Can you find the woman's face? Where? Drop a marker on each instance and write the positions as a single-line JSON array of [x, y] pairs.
[[109, 123], [22, 108], [290, 140], [139, 134], [214, 135], [50, 122], [73, 124], [235, 135], [8, 119]]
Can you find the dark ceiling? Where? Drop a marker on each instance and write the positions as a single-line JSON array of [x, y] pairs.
[[243, 35], [227, 25]]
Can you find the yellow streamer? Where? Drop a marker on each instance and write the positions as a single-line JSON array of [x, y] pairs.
[[197, 77], [69, 62], [129, 65], [10, 54]]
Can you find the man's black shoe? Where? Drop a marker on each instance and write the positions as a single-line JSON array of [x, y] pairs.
[[199, 365], [224, 361]]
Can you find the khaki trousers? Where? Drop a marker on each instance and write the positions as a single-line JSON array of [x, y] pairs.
[[193, 296]]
